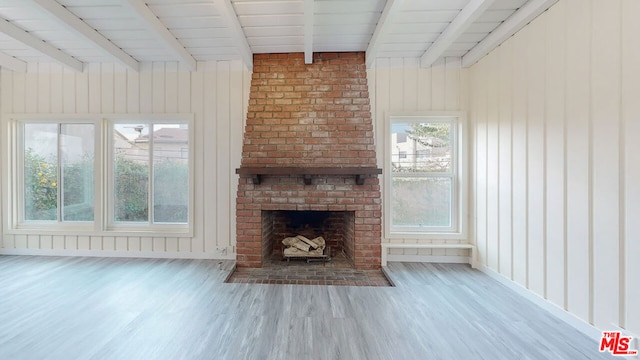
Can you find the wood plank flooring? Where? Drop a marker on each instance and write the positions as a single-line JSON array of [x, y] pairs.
[[94, 308]]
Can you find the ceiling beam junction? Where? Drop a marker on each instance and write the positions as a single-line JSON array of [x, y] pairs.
[[73, 23], [382, 29], [308, 31], [161, 32], [227, 12], [467, 16], [510, 26], [39, 45], [11, 63]]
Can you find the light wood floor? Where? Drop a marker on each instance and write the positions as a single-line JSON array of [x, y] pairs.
[[92, 308]]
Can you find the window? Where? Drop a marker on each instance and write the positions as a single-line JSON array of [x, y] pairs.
[[423, 189], [150, 173], [57, 172], [101, 175]]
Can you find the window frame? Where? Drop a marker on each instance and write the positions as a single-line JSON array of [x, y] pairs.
[[13, 170], [111, 223], [459, 202], [15, 152]]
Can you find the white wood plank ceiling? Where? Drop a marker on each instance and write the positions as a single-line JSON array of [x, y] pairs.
[[78, 32]]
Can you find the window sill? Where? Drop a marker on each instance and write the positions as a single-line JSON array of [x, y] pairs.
[[76, 231]]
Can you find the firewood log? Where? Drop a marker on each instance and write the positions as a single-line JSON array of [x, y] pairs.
[[307, 241]]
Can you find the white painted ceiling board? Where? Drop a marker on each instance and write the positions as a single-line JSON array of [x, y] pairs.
[[340, 6], [274, 31], [495, 15], [68, 3], [412, 38], [208, 30], [423, 16], [200, 33], [195, 22], [343, 29], [419, 28], [508, 4], [273, 41], [116, 35], [125, 23], [349, 38], [435, 5], [471, 37], [98, 12], [482, 27], [276, 8], [184, 10], [271, 20], [357, 18]]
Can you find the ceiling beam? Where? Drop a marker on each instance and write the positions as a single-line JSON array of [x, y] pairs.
[[11, 63], [227, 12], [39, 45], [382, 29], [308, 31], [512, 25], [161, 32], [73, 23], [467, 16]]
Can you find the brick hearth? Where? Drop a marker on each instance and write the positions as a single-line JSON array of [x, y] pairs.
[[315, 115]]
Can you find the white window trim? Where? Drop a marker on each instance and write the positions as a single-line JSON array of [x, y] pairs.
[[459, 205], [13, 174], [15, 153], [110, 222]]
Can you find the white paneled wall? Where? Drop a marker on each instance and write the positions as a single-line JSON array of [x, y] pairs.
[[400, 85], [556, 120], [216, 93]]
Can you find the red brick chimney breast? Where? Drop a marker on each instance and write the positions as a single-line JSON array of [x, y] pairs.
[[309, 116]]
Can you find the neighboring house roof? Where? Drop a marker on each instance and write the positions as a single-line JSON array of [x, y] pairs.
[[168, 135]]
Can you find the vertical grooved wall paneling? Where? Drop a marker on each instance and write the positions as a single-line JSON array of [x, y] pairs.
[[564, 166], [216, 93], [630, 174], [398, 85], [555, 134]]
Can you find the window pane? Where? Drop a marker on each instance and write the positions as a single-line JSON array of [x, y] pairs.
[[171, 173], [41, 171], [421, 147], [421, 202], [77, 153], [131, 172]]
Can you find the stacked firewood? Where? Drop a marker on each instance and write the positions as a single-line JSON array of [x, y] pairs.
[[303, 246]]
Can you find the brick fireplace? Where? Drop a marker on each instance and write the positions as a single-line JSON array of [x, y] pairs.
[[309, 146]]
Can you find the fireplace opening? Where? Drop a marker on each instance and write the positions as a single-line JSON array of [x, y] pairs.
[[335, 227]]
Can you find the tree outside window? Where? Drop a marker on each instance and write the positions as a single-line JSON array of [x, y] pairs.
[[423, 174], [58, 172], [151, 173]]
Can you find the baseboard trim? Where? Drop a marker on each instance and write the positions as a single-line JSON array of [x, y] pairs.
[[117, 254], [563, 315]]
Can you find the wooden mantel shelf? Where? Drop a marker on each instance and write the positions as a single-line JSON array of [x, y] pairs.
[[307, 172]]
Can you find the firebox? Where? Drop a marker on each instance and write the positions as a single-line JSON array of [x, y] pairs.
[[335, 227]]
